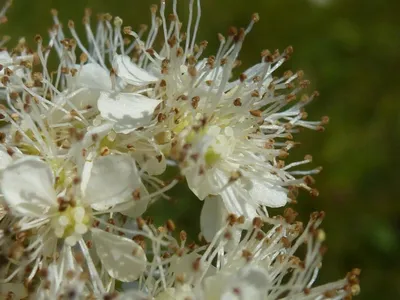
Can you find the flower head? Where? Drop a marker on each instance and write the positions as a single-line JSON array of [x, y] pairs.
[[84, 145]]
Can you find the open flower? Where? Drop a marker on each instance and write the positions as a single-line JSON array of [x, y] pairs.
[[68, 213], [227, 135], [266, 262]]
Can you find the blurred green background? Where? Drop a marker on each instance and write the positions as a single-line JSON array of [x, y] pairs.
[[350, 50]]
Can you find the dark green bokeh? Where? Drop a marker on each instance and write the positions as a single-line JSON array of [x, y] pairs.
[[350, 50]]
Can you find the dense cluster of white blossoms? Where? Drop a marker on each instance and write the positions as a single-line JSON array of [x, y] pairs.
[[83, 146]]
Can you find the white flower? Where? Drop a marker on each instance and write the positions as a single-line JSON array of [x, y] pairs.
[[29, 189], [262, 264], [130, 73], [128, 111], [83, 144], [227, 135]]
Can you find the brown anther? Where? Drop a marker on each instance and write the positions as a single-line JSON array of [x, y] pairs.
[[240, 36], [5, 80], [237, 102], [196, 264], [161, 117], [235, 176], [268, 58], [89, 244], [256, 113], [224, 60], [170, 225], [127, 29], [260, 235], [236, 291], [285, 242], [246, 254], [203, 44], [104, 151], [76, 180], [83, 58], [192, 71], [150, 51], [232, 31], [309, 180], [255, 94], [179, 52], [231, 219], [153, 8], [136, 194], [172, 41], [283, 153], [140, 222], [38, 38], [257, 222], [314, 192], [43, 272], [195, 101], [62, 204], [324, 120], [255, 17], [183, 236], [192, 60], [290, 215], [290, 97], [242, 77], [300, 74], [2, 137], [180, 278], [308, 157], [289, 50], [211, 61]]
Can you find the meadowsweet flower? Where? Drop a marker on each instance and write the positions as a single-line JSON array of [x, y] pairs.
[[227, 135], [83, 145], [56, 210], [262, 264]]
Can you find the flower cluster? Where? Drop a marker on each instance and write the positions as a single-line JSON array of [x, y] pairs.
[[84, 142]]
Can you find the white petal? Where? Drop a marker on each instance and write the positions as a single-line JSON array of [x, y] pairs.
[[130, 72], [112, 180], [139, 206], [132, 294], [183, 292], [122, 258], [127, 110], [27, 186], [5, 57], [150, 161], [5, 158], [264, 193], [93, 76], [250, 283], [202, 185], [213, 217], [236, 198]]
